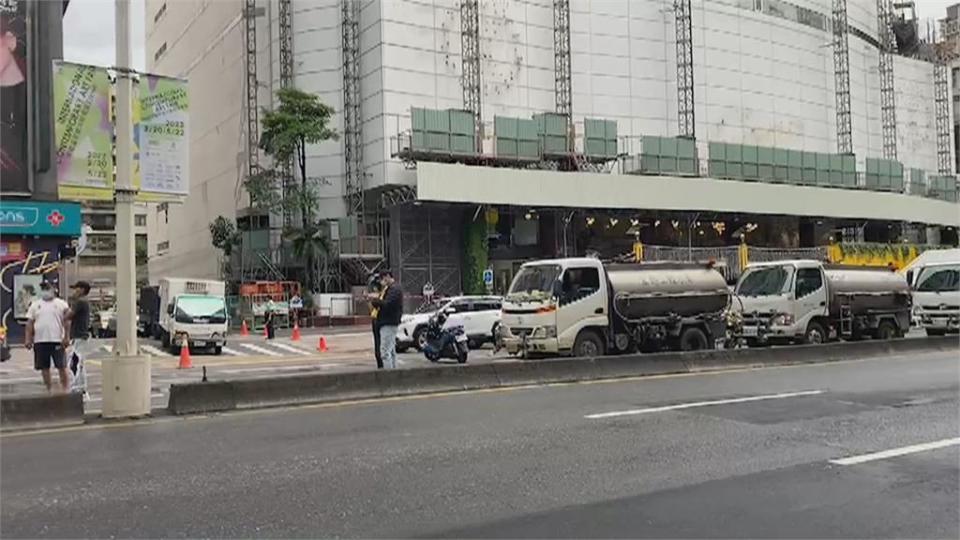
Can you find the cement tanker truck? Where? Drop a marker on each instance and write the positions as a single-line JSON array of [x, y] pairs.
[[805, 301], [583, 307]]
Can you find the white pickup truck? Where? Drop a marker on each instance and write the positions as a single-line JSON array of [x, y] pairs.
[[193, 311], [934, 277]]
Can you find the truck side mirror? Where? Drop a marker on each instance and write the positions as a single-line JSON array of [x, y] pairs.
[[169, 309]]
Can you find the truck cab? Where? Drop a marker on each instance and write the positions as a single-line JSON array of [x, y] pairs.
[[553, 304], [193, 312], [936, 296], [778, 301]]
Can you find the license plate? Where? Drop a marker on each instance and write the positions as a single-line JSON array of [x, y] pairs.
[[750, 330], [199, 343], [461, 338]]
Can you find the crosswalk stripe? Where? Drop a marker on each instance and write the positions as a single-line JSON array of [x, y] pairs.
[[154, 351], [232, 352], [108, 348], [291, 349], [260, 350]]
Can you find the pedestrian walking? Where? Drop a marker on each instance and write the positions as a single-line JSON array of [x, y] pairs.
[[270, 322], [79, 336], [48, 334], [389, 303], [374, 287]]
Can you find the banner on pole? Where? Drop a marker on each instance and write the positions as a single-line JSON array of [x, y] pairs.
[[162, 139], [84, 132]]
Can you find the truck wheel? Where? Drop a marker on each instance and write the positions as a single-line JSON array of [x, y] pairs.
[[886, 330], [693, 339], [815, 334], [935, 332], [588, 344]]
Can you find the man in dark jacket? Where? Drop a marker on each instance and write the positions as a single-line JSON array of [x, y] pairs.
[[389, 304], [374, 287]]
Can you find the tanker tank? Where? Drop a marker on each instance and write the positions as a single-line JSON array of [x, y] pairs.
[[863, 289], [648, 290]]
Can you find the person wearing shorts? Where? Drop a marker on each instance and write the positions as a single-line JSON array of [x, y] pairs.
[[79, 336], [48, 331]]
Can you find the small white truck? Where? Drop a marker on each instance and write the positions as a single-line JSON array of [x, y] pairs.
[[805, 301], [934, 277], [193, 311]]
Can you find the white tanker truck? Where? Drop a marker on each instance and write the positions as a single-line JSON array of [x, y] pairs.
[[805, 301], [582, 307]]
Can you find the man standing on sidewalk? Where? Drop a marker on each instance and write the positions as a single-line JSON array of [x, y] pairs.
[[48, 332], [389, 304], [375, 287], [79, 335]]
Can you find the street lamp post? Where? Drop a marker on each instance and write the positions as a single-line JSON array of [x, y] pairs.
[[126, 376]]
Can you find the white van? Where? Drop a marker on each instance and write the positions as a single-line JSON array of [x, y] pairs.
[[934, 277]]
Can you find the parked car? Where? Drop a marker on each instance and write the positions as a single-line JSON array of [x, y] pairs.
[[479, 316]]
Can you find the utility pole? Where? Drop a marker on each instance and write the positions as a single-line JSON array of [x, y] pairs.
[[126, 376]]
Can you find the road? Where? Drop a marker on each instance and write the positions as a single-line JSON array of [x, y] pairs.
[[863, 449]]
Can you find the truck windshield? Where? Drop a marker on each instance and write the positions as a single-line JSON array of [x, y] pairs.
[[765, 281], [201, 309], [939, 279], [535, 280]]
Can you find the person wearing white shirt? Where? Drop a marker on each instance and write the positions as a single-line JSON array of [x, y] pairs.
[[48, 334]]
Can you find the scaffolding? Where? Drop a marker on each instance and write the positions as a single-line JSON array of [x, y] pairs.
[[285, 35], [888, 105], [352, 121], [841, 77], [253, 121], [470, 45], [685, 101], [563, 84], [941, 89]]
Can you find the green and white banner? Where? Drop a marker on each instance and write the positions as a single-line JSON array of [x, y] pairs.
[[162, 138]]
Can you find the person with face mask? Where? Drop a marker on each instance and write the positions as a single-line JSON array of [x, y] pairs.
[[48, 334]]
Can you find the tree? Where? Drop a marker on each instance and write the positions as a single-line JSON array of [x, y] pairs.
[[300, 119], [224, 236]]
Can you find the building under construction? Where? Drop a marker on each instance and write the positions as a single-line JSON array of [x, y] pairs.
[[478, 134]]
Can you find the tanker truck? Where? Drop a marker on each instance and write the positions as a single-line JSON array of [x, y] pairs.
[[583, 307], [805, 301]]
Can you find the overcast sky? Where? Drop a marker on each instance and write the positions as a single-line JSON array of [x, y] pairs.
[[88, 28]]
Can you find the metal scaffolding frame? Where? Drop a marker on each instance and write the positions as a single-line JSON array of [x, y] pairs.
[[684, 34], [563, 81], [941, 92], [841, 77], [285, 39], [470, 49], [888, 104], [352, 121], [253, 121]]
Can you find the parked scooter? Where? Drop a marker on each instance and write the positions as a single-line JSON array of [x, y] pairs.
[[445, 342]]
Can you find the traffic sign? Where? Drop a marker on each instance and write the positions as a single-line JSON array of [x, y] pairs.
[[488, 278]]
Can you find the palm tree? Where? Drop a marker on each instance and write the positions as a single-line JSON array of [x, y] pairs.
[[310, 245]]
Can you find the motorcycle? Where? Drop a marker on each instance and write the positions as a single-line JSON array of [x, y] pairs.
[[445, 342]]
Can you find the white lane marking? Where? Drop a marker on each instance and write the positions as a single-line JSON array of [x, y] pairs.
[[154, 351], [108, 348], [680, 406], [894, 452], [291, 349], [20, 380], [278, 368], [232, 352], [260, 350]]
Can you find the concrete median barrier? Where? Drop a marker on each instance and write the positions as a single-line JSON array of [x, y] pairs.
[[330, 387], [40, 411]]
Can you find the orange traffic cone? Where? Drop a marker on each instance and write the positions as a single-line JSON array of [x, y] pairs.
[[244, 331], [185, 362], [296, 332], [322, 346]]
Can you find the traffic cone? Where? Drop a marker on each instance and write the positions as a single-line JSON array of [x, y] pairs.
[[244, 331], [296, 332], [322, 346], [185, 362]]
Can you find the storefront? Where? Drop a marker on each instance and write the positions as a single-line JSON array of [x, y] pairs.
[[33, 237]]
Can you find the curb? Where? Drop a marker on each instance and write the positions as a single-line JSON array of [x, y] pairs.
[[40, 411], [222, 396]]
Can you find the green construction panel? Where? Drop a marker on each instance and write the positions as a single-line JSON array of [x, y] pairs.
[[463, 144], [750, 171], [896, 168], [553, 124], [809, 160], [872, 180], [873, 166], [418, 119], [418, 140], [750, 153], [611, 129], [461, 122], [669, 147], [650, 145], [735, 170], [613, 149], [734, 153], [506, 127], [650, 164], [836, 162], [765, 173], [507, 147], [439, 142], [823, 177], [668, 165], [595, 147], [717, 151], [765, 155], [823, 161], [527, 130], [886, 167], [848, 163], [717, 168], [850, 179], [554, 144], [809, 177], [686, 148], [836, 178], [594, 128], [795, 159], [687, 166], [781, 174], [781, 157], [438, 121], [884, 182], [795, 175], [528, 149]]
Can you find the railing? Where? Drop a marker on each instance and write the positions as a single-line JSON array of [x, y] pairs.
[[363, 246]]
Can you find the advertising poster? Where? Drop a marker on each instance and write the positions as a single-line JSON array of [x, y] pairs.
[[84, 131], [162, 138], [26, 289], [14, 170]]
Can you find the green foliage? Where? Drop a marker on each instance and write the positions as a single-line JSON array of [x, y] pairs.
[[224, 235], [309, 244], [475, 252]]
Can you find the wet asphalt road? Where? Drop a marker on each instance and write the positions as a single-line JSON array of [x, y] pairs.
[[757, 453]]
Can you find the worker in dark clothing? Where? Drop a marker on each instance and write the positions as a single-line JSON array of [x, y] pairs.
[[374, 287], [389, 304]]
